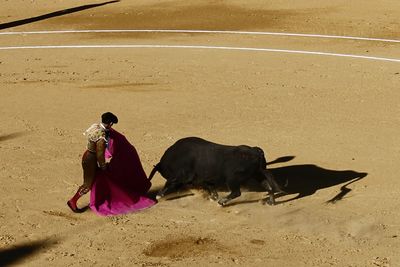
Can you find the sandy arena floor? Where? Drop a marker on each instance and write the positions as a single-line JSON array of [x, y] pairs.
[[333, 119]]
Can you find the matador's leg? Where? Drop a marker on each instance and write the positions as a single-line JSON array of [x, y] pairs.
[[89, 166]]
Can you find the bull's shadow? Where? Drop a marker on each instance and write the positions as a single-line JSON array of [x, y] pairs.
[[306, 179]]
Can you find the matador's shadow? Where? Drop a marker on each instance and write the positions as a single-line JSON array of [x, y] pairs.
[[17, 253], [53, 14], [306, 179]]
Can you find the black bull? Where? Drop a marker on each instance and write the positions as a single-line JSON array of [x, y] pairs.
[[195, 161]]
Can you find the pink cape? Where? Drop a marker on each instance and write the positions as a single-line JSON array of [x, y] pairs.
[[123, 186]]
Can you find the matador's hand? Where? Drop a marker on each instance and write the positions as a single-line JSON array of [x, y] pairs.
[[104, 166]]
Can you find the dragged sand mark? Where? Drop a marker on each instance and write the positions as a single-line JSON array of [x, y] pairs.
[[257, 242], [179, 248], [60, 214], [127, 86], [151, 264]]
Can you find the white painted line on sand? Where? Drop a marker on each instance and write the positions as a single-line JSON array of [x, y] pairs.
[[208, 32], [200, 47]]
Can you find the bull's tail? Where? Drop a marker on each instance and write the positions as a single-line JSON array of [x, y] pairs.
[[154, 170]]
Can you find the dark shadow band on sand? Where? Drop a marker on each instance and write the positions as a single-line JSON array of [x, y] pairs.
[[16, 254], [52, 15], [6, 137]]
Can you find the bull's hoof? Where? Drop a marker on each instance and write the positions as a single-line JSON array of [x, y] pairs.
[[213, 198], [281, 194], [158, 197], [222, 202], [267, 201], [270, 202]]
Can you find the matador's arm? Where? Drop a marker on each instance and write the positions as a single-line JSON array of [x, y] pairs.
[[100, 153]]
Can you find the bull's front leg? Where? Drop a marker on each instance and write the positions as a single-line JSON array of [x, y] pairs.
[[271, 186], [212, 192], [224, 200], [169, 187], [271, 197], [234, 186]]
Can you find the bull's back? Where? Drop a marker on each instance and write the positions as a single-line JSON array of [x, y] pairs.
[[183, 148], [196, 158], [190, 155], [179, 160]]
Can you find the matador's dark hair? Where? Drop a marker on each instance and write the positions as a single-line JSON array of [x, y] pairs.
[[108, 118]]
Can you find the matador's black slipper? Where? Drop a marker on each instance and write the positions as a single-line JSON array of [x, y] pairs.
[[74, 208]]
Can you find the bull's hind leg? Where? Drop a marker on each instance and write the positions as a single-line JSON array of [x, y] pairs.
[[234, 186]]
